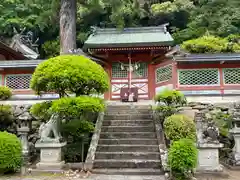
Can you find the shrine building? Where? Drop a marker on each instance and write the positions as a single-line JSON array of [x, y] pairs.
[[140, 61]]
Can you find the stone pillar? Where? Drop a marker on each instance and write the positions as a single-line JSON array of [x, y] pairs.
[[23, 135], [208, 157], [235, 131], [207, 144], [50, 156], [236, 150]]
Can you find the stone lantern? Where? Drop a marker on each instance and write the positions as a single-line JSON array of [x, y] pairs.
[[23, 127]]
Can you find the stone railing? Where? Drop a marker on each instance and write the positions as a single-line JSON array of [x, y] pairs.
[[94, 143]]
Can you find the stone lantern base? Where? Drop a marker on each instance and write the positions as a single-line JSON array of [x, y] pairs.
[[51, 156], [208, 157]]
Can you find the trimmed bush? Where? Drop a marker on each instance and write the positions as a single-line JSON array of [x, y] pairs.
[[70, 74], [5, 93], [76, 129], [182, 158], [42, 110], [206, 44], [6, 117], [170, 97], [179, 126], [10, 152], [78, 135], [77, 107]]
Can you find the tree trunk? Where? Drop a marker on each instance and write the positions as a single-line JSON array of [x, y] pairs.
[[68, 26]]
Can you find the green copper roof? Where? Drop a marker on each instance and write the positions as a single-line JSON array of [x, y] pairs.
[[129, 37]]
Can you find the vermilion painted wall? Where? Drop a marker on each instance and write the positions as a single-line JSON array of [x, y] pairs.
[[220, 67]]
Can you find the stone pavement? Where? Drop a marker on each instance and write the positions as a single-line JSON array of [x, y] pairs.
[[233, 175], [92, 177]]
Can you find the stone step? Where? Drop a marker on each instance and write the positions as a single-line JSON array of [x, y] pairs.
[[127, 148], [125, 163], [126, 107], [140, 172], [128, 141], [128, 111], [127, 155], [127, 122], [127, 116], [126, 135], [128, 128]]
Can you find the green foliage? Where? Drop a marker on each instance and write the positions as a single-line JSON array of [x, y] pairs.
[[77, 107], [212, 44], [51, 48], [70, 73], [179, 126], [205, 17], [6, 117], [182, 158], [164, 111], [5, 93], [76, 130], [10, 152], [170, 97], [171, 7], [42, 110], [29, 14], [222, 120], [76, 152], [206, 44]]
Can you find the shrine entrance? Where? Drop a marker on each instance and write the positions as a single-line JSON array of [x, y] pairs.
[[129, 79]]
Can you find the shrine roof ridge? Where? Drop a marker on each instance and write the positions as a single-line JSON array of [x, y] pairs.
[[160, 28], [129, 37], [20, 63], [208, 57]]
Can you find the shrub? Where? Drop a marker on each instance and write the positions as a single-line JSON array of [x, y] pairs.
[[182, 158], [70, 74], [6, 117], [51, 48], [5, 93], [77, 133], [76, 152], [206, 44], [77, 107], [76, 130], [170, 97], [179, 126], [42, 110], [10, 152], [164, 111]]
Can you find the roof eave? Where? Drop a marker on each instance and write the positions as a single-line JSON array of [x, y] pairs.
[[127, 45]]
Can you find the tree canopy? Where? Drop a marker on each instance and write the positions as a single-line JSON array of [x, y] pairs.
[[188, 19]]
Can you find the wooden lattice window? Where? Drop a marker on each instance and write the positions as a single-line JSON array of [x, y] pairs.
[[198, 77], [231, 75], [141, 71], [18, 81], [163, 73], [117, 72]]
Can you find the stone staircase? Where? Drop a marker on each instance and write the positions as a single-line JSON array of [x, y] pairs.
[[128, 143]]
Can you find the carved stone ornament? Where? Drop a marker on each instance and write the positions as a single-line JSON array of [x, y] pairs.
[[211, 133]]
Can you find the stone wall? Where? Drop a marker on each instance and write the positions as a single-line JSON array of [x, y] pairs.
[[191, 108]]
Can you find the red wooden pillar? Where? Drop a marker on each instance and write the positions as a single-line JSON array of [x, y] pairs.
[[174, 75], [221, 80], [107, 95], [151, 81], [3, 79]]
